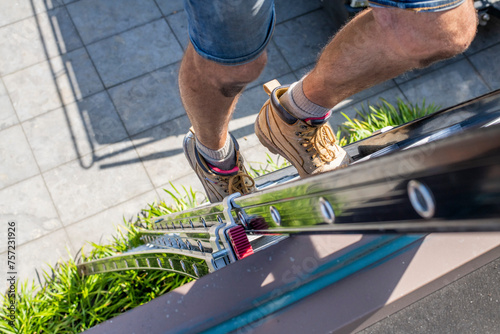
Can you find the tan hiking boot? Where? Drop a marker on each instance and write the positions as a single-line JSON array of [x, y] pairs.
[[309, 145], [218, 183]]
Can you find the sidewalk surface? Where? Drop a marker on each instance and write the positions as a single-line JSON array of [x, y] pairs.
[[91, 123]]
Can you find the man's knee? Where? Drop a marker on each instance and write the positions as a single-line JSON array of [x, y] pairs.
[[427, 37], [230, 79]]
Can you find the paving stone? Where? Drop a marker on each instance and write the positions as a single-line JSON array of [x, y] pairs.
[[301, 39], [82, 74], [487, 62], [101, 227], [391, 95], [29, 205], [288, 9], [169, 7], [39, 254], [52, 84], [96, 19], [135, 52], [366, 94], [446, 87], [7, 114], [276, 67], [13, 11], [184, 185], [486, 36], [116, 177], [179, 25], [33, 90], [68, 133], [149, 100], [257, 158], [22, 43], [304, 70], [18, 162], [161, 151]]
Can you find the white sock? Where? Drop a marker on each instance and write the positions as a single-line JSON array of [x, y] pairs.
[[223, 158], [295, 101]]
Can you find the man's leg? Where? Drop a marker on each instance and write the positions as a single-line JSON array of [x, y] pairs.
[[377, 45], [226, 52], [382, 43], [209, 92]]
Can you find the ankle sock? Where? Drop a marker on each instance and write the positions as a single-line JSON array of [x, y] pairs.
[[223, 158], [295, 101]]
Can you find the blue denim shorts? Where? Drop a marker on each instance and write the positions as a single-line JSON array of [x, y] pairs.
[[230, 31], [234, 32], [418, 5]]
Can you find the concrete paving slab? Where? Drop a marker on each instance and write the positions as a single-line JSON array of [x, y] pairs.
[[150, 100], [18, 162], [301, 39], [160, 149], [77, 67], [304, 70], [35, 39], [135, 52], [69, 133], [289, 9], [101, 227], [96, 19], [276, 67], [13, 11], [169, 7], [370, 93], [183, 185], [79, 194], [8, 115], [29, 205], [51, 84], [486, 36], [178, 23], [446, 87], [420, 72], [257, 158], [487, 63]]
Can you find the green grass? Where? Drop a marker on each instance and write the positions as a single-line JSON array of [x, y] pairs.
[[258, 169], [375, 117], [68, 303]]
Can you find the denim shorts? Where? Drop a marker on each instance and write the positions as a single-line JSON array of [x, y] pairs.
[[234, 32], [418, 5], [230, 31]]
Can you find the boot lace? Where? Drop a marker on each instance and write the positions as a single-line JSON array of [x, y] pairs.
[[238, 183], [318, 141]]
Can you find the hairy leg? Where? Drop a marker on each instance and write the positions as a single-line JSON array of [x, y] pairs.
[[209, 92], [382, 43]]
